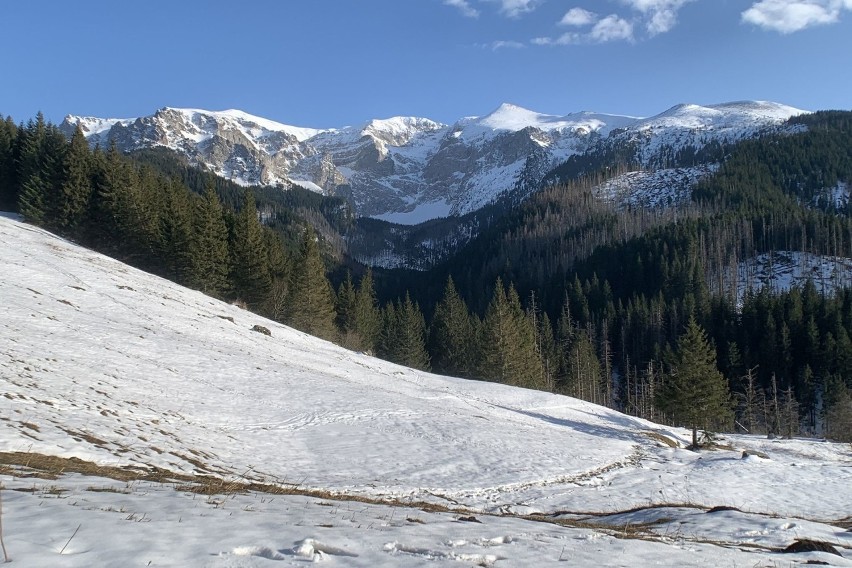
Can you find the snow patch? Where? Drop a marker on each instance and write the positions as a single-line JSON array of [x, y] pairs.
[[420, 213]]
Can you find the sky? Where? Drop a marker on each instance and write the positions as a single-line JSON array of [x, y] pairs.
[[335, 63]]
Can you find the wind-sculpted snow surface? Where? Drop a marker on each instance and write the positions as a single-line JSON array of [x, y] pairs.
[[105, 363]]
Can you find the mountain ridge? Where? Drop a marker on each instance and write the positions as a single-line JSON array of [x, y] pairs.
[[409, 169]]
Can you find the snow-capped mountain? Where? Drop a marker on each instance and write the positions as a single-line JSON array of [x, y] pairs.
[[693, 125], [408, 169]]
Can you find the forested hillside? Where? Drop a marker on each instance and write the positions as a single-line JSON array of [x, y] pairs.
[[620, 283], [568, 293]]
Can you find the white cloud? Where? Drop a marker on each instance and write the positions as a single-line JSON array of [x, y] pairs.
[[611, 28], [578, 17], [514, 8], [542, 41], [506, 44], [569, 38], [788, 16], [464, 7], [660, 15], [603, 30]]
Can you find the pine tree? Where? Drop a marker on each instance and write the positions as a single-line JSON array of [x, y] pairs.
[[789, 413], [405, 335], [209, 262], [33, 195], [508, 342], [838, 417], [311, 302], [583, 373], [280, 268], [750, 403], [368, 316], [250, 275], [695, 393], [173, 241], [111, 225], [347, 308], [452, 335], [8, 177], [548, 352], [76, 186]]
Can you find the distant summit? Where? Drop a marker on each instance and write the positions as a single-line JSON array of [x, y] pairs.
[[410, 169]]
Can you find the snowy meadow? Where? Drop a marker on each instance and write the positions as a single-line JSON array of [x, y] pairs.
[[145, 424]]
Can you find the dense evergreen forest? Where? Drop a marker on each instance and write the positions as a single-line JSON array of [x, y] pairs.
[[566, 293]]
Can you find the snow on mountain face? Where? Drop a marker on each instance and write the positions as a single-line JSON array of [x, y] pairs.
[[727, 115], [780, 271], [652, 189], [512, 118], [694, 125], [411, 169]]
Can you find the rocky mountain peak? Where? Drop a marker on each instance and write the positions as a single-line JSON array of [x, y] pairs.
[[410, 169]]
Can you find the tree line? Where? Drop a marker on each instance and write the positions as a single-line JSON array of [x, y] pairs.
[[567, 295]]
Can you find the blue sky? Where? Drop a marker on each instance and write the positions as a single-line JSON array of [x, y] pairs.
[[332, 63]]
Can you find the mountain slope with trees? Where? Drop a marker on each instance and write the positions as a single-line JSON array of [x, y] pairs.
[[567, 293]]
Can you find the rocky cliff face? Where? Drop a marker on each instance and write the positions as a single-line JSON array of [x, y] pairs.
[[408, 169]]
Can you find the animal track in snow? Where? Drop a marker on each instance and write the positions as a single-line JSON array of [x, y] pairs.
[[395, 548]]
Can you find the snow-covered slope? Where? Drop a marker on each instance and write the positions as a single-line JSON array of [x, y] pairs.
[[652, 188], [102, 362], [694, 125], [780, 271], [410, 169]]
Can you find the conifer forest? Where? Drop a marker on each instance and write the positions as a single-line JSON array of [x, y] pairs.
[[642, 310]]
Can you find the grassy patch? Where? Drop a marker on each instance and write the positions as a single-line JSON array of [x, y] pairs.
[[51, 467], [665, 440], [122, 490], [94, 440]]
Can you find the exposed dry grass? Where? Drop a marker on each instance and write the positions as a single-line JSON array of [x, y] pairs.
[[94, 440], [33, 465], [844, 523], [51, 467], [654, 435]]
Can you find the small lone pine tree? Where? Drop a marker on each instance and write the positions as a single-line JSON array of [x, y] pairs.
[[695, 393]]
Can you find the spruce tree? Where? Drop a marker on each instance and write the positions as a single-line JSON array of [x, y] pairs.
[[76, 186], [33, 195], [173, 243], [508, 342], [452, 335], [582, 373], [209, 261], [8, 177], [346, 308], [548, 352], [838, 417], [250, 275], [368, 316], [695, 393], [280, 270], [111, 220], [405, 335], [311, 300]]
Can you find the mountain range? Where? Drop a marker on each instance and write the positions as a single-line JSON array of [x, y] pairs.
[[407, 169]]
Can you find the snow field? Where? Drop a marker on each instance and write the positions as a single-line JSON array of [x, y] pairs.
[[105, 363]]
